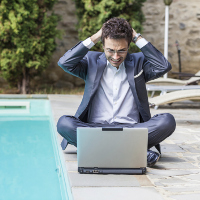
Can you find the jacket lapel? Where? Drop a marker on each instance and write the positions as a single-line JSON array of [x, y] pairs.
[[101, 64], [96, 77], [129, 65]]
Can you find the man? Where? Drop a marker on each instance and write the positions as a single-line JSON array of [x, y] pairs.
[[115, 93]]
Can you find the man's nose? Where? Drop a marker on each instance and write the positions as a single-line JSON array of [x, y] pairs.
[[116, 55]]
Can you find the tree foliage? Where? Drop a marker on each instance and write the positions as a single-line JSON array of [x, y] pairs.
[[93, 13], [27, 39]]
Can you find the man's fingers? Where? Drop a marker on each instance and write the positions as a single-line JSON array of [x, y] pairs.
[[134, 32]]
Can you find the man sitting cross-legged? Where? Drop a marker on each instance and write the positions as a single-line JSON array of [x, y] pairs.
[[115, 93]]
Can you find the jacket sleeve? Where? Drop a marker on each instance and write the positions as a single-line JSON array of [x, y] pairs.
[[74, 61], [155, 64]]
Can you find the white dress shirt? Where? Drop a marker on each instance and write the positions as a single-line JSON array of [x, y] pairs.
[[113, 101]]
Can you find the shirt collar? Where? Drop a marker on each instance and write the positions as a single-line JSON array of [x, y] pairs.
[[114, 68]]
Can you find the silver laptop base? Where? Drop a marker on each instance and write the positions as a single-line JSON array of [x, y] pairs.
[[83, 170]]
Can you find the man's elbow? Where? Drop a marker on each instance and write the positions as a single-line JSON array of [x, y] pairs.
[[169, 67], [166, 68], [60, 62]]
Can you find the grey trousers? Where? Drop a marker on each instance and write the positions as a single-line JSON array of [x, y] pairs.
[[159, 127]]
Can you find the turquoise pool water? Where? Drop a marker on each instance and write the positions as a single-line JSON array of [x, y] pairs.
[[30, 163]]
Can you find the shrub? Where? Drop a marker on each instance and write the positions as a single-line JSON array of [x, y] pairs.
[[28, 32]]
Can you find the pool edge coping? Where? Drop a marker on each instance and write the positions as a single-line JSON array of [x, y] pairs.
[[24, 96]]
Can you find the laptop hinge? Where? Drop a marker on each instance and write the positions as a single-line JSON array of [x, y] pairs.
[[112, 128]]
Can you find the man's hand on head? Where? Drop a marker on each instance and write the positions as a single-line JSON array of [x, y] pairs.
[[96, 37]]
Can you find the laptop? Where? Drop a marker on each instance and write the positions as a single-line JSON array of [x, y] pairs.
[[110, 150]]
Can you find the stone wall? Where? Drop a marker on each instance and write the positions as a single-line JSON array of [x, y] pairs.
[[184, 26], [54, 75]]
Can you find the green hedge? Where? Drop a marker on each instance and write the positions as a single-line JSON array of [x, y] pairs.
[[28, 32]]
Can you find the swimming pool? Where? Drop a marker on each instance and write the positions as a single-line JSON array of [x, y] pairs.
[[31, 164]]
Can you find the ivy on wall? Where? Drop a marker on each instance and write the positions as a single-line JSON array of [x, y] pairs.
[[93, 13]]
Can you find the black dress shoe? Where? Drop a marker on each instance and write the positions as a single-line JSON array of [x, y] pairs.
[[64, 144], [152, 158]]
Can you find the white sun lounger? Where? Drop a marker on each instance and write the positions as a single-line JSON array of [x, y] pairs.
[[172, 81], [169, 88], [175, 96]]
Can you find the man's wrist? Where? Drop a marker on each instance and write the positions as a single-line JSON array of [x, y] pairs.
[[140, 37], [88, 43], [141, 43], [95, 38], [136, 37]]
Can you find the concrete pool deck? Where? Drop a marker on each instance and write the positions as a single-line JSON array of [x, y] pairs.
[[175, 177]]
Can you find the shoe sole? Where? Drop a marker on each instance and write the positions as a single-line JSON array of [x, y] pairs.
[[152, 164]]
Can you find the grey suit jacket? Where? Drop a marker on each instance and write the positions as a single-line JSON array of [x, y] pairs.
[[140, 68]]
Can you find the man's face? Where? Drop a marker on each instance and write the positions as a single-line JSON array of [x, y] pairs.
[[115, 50]]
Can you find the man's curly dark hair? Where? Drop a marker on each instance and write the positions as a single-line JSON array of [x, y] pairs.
[[117, 28]]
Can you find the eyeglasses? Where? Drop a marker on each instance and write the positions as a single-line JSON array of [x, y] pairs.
[[120, 52]]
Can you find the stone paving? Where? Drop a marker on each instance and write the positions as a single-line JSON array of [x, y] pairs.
[[177, 174], [175, 177]]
